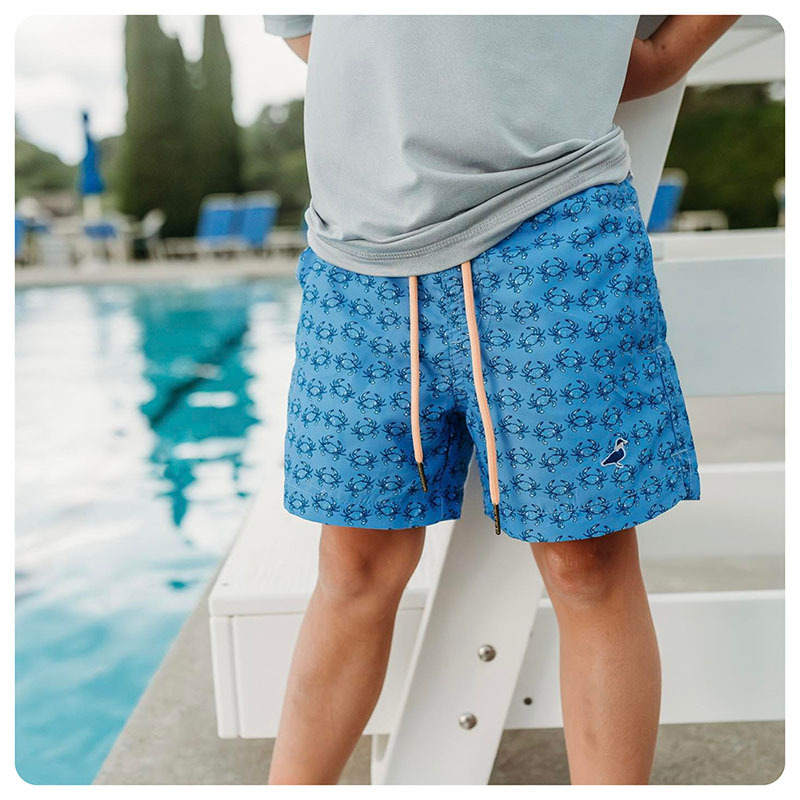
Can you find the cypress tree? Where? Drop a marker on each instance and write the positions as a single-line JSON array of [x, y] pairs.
[[217, 134], [157, 156]]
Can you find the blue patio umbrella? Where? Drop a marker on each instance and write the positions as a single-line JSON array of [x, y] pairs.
[[90, 181]]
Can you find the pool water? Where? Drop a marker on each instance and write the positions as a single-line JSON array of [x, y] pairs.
[[141, 416]]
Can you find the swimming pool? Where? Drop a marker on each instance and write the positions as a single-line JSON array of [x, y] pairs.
[[141, 415]]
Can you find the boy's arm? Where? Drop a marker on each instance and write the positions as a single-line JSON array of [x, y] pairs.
[[300, 45], [658, 62]]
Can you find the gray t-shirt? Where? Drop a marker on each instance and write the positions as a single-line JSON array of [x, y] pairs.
[[430, 138]]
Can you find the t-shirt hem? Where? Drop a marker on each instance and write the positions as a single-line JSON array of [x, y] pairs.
[[466, 244]]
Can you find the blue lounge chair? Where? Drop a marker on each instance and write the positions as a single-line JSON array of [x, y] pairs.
[[218, 225], [667, 201], [19, 240], [259, 210]]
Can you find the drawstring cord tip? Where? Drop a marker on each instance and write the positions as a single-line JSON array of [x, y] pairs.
[[496, 510], [422, 478]]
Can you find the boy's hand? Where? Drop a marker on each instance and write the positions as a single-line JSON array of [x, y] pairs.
[[658, 62]]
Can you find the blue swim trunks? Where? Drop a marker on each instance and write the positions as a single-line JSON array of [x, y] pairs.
[[546, 354]]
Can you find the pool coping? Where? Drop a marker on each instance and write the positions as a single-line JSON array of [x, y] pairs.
[[240, 268]]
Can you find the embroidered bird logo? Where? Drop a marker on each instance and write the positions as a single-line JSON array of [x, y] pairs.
[[614, 458]]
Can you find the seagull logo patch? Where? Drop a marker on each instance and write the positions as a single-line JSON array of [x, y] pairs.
[[616, 456]]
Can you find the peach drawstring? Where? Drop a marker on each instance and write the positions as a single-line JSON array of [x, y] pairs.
[[477, 379], [416, 436]]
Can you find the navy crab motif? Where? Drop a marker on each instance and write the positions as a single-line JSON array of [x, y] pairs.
[[508, 398], [335, 418], [530, 338], [558, 299], [549, 430], [596, 507], [524, 484], [502, 366], [556, 270], [320, 358], [544, 240], [332, 446], [554, 458], [617, 256], [347, 362], [543, 219], [577, 392], [563, 514], [582, 238], [575, 207], [620, 284], [569, 359], [355, 515], [591, 477], [534, 372], [599, 327], [395, 429], [581, 419], [603, 360], [513, 426], [365, 428], [531, 514], [301, 473], [564, 330], [556, 489], [497, 338], [361, 459], [393, 455], [591, 299], [542, 399], [610, 225], [380, 371], [519, 277], [606, 387], [586, 450], [524, 310], [588, 266], [353, 332]]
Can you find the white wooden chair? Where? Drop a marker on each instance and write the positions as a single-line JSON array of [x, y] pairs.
[[475, 645]]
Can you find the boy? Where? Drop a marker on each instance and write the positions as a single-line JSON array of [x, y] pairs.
[[479, 276]]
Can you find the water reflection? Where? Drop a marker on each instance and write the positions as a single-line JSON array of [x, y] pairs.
[[200, 409]]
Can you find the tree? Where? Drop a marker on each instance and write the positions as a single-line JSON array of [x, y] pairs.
[[157, 158], [215, 129], [730, 140], [274, 158]]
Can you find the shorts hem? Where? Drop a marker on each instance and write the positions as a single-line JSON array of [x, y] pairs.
[[575, 531], [348, 517]]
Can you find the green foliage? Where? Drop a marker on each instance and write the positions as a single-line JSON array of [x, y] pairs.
[[157, 159], [216, 133], [37, 171], [730, 141], [274, 158]]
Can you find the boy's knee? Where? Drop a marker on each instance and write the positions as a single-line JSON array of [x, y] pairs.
[[585, 571], [370, 566]]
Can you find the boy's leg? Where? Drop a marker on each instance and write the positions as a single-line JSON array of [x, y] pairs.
[[342, 650], [610, 671]]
